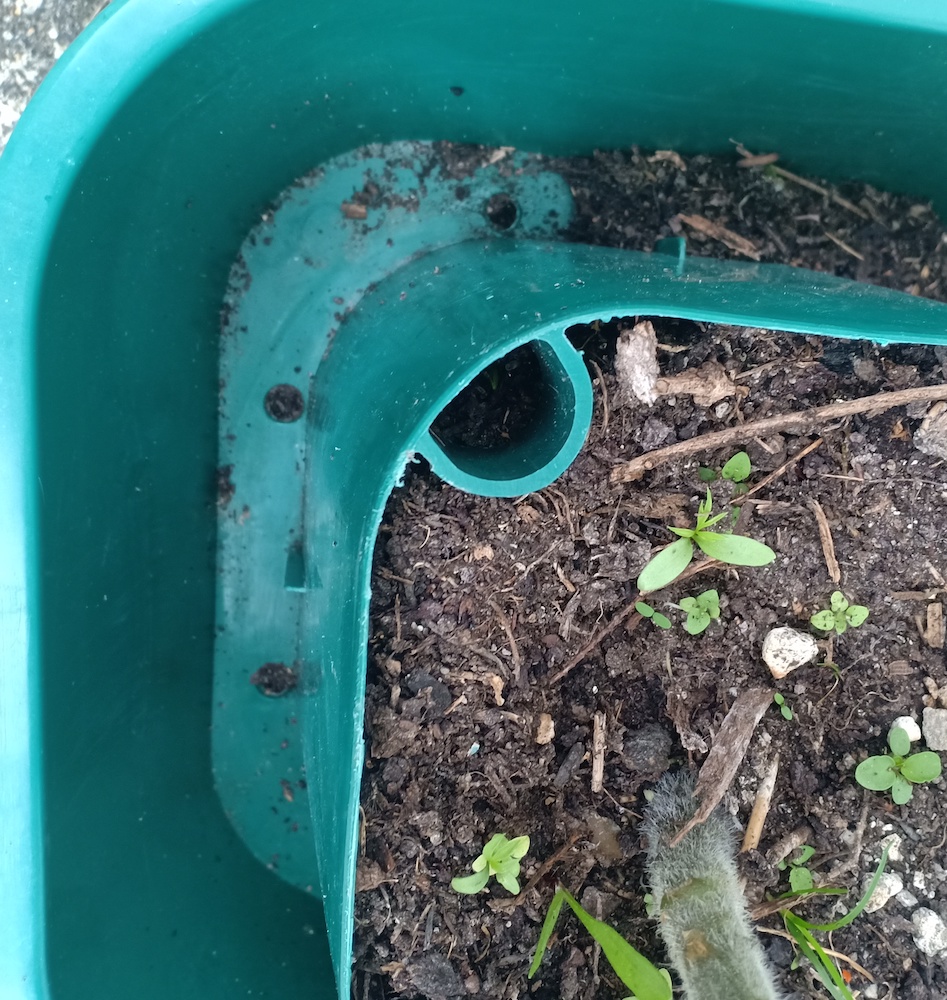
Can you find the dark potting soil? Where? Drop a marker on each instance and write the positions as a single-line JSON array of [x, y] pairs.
[[479, 605]]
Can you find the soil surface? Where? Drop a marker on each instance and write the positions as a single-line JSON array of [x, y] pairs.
[[475, 724]]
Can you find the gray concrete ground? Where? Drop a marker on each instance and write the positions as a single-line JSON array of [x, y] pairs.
[[33, 35]]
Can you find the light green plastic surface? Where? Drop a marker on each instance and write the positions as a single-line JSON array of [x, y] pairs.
[[127, 190]]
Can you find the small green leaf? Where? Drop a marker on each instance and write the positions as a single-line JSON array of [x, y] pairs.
[[660, 620], [838, 601], [923, 766], [509, 882], [493, 848], [738, 550], [705, 506], [632, 968], [841, 625], [786, 712], [645, 610], [778, 698], [470, 884], [806, 853], [549, 925], [706, 475], [898, 741], [800, 879], [876, 773], [480, 864], [689, 604], [709, 601], [846, 918], [738, 468], [824, 621], [666, 566], [519, 846], [856, 614], [683, 532], [696, 622], [901, 790]]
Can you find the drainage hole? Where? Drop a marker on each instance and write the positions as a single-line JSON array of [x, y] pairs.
[[498, 408], [284, 403], [274, 679], [501, 211]]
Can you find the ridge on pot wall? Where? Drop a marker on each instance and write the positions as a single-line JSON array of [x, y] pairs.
[[129, 185]]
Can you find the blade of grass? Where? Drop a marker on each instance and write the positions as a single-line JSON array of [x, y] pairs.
[[847, 918], [827, 971]]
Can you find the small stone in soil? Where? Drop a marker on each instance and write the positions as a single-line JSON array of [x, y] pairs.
[[890, 884], [570, 765], [785, 649], [930, 932], [434, 976], [648, 749], [935, 728], [441, 698]]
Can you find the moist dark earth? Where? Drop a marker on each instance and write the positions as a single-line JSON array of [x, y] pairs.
[[475, 726]]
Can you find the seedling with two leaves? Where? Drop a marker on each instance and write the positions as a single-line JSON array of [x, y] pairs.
[[786, 712], [500, 858], [670, 562], [646, 611], [898, 771]]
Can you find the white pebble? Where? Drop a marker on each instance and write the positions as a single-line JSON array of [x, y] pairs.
[[907, 899], [893, 843], [935, 728], [930, 932], [890, 884], [785, 649], [910, 727]]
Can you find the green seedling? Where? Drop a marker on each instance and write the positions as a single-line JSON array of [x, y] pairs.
[[840, 615], [700, 611], [897, 770], [802, 933], [784, 710], [646, 611], [500, 858], [670, 562], [645, 980], [736, 470], [800, 878]]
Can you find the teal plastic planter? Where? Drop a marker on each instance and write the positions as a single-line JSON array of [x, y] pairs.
[[167, 830]]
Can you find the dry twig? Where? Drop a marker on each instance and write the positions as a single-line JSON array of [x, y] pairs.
[[627, 614], [825, 537], [764, 799], [726, 755], [860, 969], [598, 752], [637, 467], [776, 473]]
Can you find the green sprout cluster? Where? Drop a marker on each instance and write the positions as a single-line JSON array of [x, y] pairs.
[[500, 858], [669, 563], [839, 616]]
